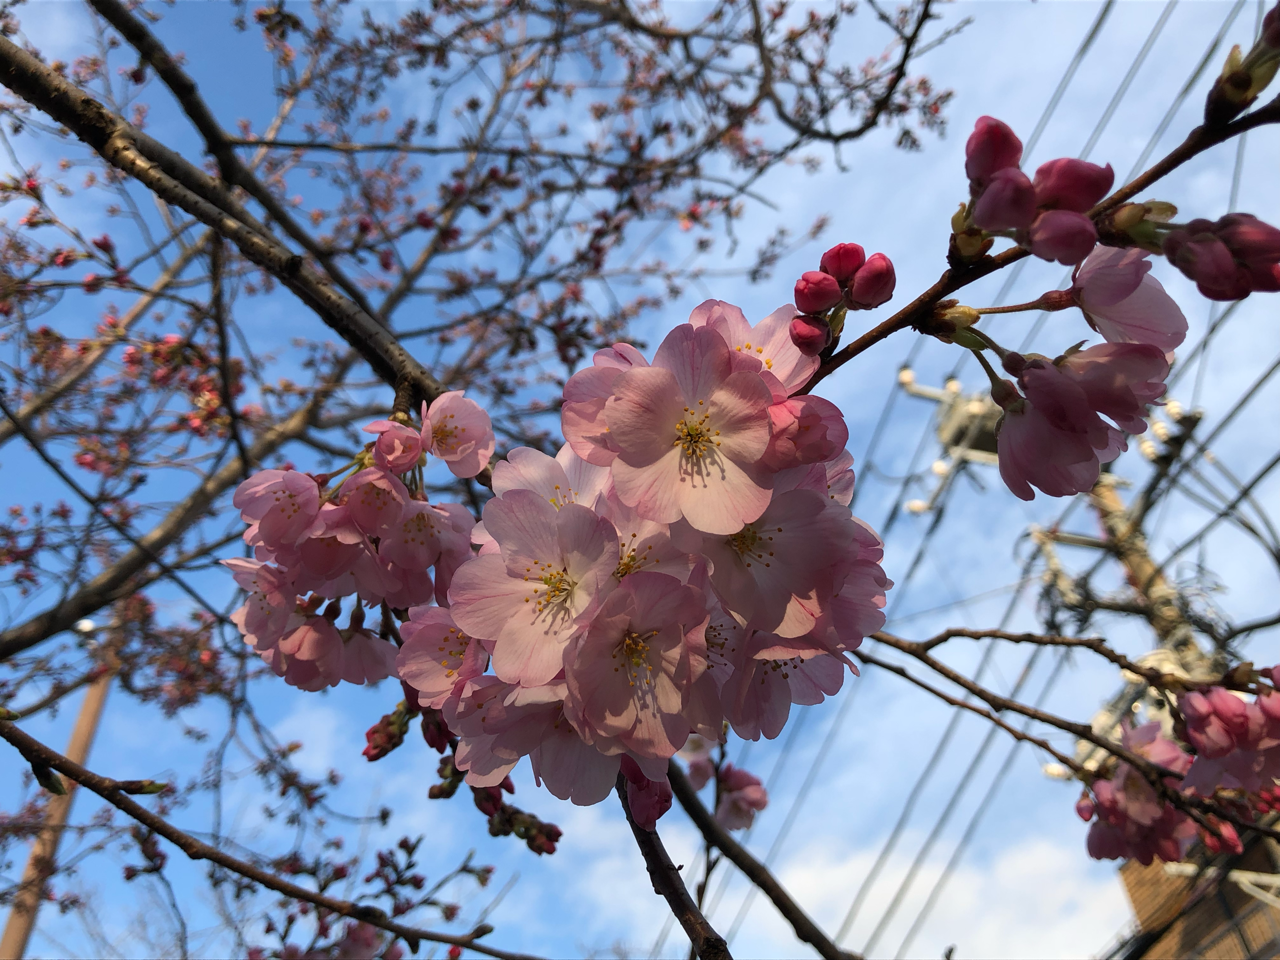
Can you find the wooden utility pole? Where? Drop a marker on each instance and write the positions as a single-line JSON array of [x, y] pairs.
[[1126, 539], [44, 852]]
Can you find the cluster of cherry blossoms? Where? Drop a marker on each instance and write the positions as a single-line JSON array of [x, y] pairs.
[[687, 559], [1232, 755], [368, 540], [1065, 417]]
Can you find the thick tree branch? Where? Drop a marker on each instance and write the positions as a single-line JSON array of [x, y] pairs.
[[181, 184], [115, 792], [753, 869], [215, 138]]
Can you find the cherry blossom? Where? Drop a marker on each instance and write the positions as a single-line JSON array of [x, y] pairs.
[[629, 674], [742, 796], [554, 568], [458, 431], [1123, 302], [690, 431]]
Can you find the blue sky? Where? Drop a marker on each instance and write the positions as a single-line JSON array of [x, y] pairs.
[[1025, 886]]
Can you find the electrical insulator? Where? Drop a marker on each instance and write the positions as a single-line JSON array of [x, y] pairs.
[[1148, 448], [915, 506], [953, 385], [1174, 409], [941, 468], [906, 376], [1160, 429]]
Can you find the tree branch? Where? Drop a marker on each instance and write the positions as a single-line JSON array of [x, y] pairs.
[[753, 869], [668, 883], [115, 792]]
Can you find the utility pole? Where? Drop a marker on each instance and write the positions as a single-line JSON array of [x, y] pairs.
[[42, 860]]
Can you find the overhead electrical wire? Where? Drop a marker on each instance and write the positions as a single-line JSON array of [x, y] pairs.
[[972, 827]]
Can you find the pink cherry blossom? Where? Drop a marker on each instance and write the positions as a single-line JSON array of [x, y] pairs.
[[1119, 380], [582, 412], [742, 796], [414, 541], [459, 432], [804, 430], [770, 341], [437, 656], [758, 695], [777, 571], [1133, 820], [398, 447], [565, 478], [1123, 302], [628, 675], [270, 602], [367, 658], [696, 753], [554, 569], [375, 500], [690, 431], [281, 505]]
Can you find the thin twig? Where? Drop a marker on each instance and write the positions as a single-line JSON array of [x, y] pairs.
[[115, 792]]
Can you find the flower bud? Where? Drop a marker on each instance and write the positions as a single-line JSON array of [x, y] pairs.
[[811, 335], [1008, 203], [1062, 235], [1085, 807], [1271, 28], [816, 292], [1069, 184], [1251, 241], [842, 261], [873, 284], [1204, 258], [991, 147]]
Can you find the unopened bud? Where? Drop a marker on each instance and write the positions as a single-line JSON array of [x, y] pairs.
[[816, 292], [873, 285], [811, 335], [842, 261]]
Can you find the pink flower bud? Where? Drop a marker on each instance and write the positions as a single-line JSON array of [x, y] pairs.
[[1271, 28], [1008, 202], [1063, 235], [810, 334], [1085, 807], [991, 147], [842, 261], [648, 799], [105, 244], [424, 220], [1068, 184], [1204, 258], [872, 285], [816, 292], [1252, 242]]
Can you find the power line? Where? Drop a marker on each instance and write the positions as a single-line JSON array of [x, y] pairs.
[[805, 789], [908, 807], [976, 819]]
